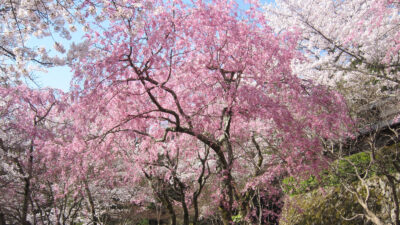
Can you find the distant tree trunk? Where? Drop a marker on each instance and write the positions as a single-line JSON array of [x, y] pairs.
[[27, 187], [2, 219], [201, 180], [91, 203], [170, 208], [185, 210], [25, 204], [196, 210], [183, 201]]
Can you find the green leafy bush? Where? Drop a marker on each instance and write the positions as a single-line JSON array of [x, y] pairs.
[[294, 186], [345, 169], [144, 222], [348, 167]]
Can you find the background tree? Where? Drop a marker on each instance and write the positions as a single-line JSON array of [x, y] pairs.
[[351, 45], [52, 22], [47, 175], [354, 47], [25, 126]]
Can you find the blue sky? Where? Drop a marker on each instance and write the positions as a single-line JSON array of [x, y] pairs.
[[56, 77], [60, 77]]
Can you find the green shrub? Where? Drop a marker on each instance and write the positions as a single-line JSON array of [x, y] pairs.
[[144, 222], [344, 170], [347, 167], [294, 187]]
